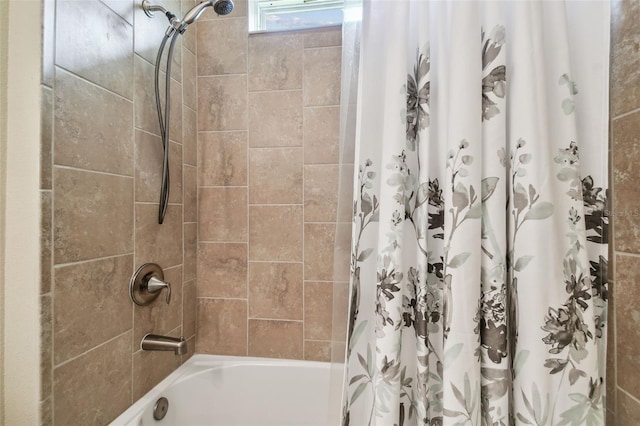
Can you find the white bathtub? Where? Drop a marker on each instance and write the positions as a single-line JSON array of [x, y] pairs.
[[210, 390]]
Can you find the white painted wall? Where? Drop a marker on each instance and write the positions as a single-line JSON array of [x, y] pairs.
[[21, 40]]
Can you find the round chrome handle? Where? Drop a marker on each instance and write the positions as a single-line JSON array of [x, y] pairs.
[[146, 284]]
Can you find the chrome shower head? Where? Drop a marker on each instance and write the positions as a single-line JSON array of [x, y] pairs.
[[221, 7]]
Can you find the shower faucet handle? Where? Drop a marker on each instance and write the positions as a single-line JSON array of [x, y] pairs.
[[155, 285], [147, 283]]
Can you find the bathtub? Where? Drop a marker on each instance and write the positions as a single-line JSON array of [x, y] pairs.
[[211, 390]]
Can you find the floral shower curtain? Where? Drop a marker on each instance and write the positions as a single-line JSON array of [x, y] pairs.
[[479, 248]]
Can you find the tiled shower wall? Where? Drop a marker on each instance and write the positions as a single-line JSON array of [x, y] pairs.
[[268, 154], [623, 377], [100, 179]]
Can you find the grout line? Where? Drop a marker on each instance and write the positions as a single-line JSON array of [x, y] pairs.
[[223, 131], [275, 205], [222, 298], [63, 167], [248, 181], [96, 259], [623, 115], [624, 253], [52, 215], [288, 262], [222, 186], [133, 222], [304, 310], [249, 92], [628, 394], [236, 74], [265, 148], [84, 79], [275, 319], [98, 346]]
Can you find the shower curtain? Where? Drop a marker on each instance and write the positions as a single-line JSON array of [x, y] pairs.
[[479, 244]]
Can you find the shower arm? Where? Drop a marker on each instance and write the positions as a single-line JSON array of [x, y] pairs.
[[175, 24]]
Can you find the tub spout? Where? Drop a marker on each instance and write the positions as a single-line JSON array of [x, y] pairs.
[[154, 342]]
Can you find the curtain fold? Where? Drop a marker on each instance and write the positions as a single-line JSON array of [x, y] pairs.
[[479, 238]]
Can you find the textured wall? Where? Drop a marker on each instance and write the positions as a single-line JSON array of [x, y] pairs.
[[100, 180], [268, 154], [623, 386]]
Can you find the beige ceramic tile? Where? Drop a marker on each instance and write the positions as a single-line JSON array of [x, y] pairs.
[[315, 350], [223, 47], [322, 76], [189, 306], [222, 103], [105, 396], [318, 251], [110, 66], [190, 250], [150, 367], [611, 418], [275, 61], [275, 339], [46, 346], [93, 215], [222, 158], [222, 327], [222, 214], [124, 8], [92, 304], [318, 301], [160, 317], [627, 409], [86, 140], [320, 193], [275, 233], [175, 117], [239, 10], [161, 244], [189, 79], [275, 290], [275, 176], [146, 115], [46, 137], [275, 118], [626, 155], [323, 37], [611, 348], [148, 173], [628, 323], [191, 350], [46, 206], [222, 270], [190, 137], [46, 412], [625, 57], [190, 194], [321, 135]]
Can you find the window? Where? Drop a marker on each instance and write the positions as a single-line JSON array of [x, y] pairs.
[[284, 15]]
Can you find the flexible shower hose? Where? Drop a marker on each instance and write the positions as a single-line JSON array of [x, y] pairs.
[[163, 121]]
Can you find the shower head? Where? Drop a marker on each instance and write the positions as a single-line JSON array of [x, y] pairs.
[[221, 7]]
